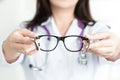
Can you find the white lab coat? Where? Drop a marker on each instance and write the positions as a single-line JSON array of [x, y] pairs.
[[61, 64]]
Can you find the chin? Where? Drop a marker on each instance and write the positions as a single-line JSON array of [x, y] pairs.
[[63, 4]]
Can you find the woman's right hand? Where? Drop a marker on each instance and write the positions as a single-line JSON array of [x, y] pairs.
[[19, 41]]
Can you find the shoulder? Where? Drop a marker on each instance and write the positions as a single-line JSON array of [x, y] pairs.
[[97, 27]]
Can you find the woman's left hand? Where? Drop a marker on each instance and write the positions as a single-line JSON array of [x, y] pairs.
[[107, 45]]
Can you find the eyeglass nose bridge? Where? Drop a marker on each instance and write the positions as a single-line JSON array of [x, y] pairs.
[[60, 39]]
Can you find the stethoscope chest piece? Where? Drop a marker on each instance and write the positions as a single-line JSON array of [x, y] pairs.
[[83, 58]]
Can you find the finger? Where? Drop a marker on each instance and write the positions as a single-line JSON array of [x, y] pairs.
[[23, 40], [32, 52], [104, 52], [102, 43], [113, 57], [24, 48], [27, 33], [19, 37], [99, 36]]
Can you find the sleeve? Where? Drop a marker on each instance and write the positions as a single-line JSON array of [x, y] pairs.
[[101, 27]]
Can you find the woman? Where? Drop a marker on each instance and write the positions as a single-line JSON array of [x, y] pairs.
[[55, 20]]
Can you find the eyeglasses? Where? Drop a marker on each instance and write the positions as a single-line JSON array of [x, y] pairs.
[[72, 43]]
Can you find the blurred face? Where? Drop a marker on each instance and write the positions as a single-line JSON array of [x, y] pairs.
[[63, 3]]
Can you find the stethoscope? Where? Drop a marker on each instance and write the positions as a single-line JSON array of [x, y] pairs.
[[82, 58]]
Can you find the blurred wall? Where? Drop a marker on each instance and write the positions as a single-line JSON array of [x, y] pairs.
[[108, 12], [13, 12]]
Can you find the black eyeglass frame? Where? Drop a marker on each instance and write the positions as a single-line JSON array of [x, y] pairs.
[[63, 40]]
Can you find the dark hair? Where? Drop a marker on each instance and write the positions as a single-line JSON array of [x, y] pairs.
[[43, 12]]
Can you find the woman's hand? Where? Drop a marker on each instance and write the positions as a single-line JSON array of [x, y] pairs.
[[107, 45], [19, 41]]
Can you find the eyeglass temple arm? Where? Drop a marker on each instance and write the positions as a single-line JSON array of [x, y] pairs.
[[37, 44], [86, 43]]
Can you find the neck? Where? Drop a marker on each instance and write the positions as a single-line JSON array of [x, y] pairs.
[[63, 19]]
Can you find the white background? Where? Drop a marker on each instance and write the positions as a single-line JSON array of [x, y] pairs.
[[13, 12]]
